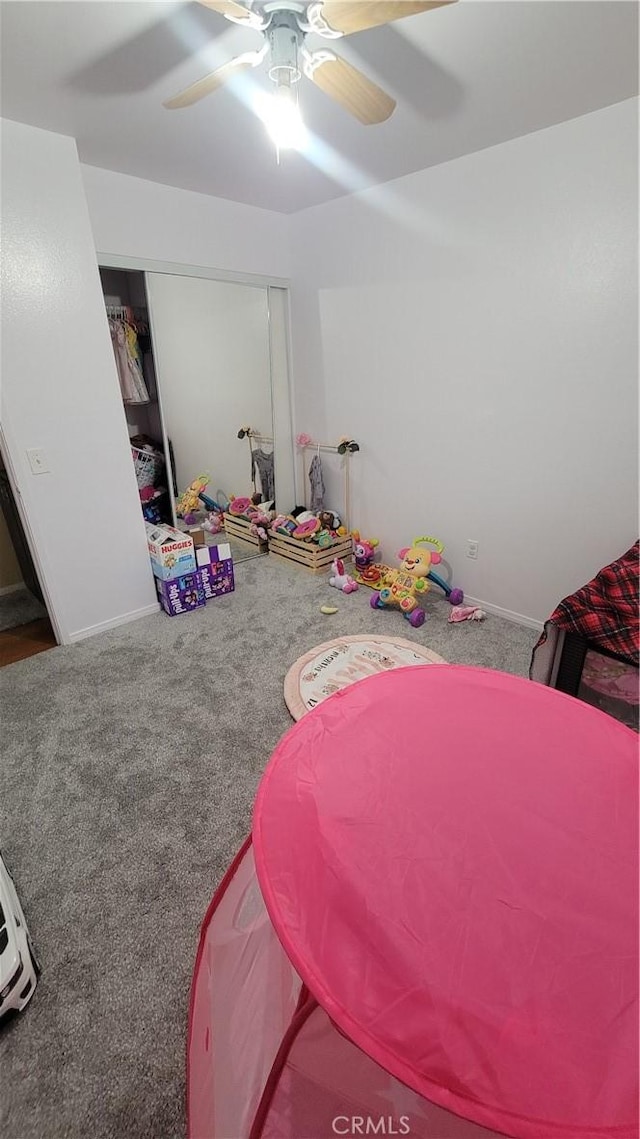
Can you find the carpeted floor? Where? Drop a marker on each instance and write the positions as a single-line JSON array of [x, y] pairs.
[[129, 766], [19, 608]]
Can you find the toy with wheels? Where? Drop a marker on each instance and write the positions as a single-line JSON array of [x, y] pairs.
[[189, 500], [406, 586], [377, 575]]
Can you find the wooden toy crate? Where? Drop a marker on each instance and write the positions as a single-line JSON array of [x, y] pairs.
[[240, 528], [310, 556]]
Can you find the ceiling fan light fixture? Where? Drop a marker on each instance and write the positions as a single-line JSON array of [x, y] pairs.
[[283, 120]]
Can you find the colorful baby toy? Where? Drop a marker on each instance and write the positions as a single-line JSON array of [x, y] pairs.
[[189, 501], [364, 550], [406, 585], [341, 580]]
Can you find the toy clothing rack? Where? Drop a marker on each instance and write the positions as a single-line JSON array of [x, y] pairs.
[[254, 436], [255, 442], [345, 447]]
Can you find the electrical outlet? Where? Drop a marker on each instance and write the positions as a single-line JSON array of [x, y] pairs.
[[38, 461], [472, 548]]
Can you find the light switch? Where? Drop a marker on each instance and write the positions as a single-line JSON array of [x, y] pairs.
[[38, 461]]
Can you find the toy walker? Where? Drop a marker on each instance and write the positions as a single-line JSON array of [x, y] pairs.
[[405, 587]]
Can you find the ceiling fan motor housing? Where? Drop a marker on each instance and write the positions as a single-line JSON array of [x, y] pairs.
[[285, 39]]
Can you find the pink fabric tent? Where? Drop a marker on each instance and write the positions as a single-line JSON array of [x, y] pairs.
[[434, 930]]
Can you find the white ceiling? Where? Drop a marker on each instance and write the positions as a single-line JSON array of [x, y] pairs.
[[465, 77]]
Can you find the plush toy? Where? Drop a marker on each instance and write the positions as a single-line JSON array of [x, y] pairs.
[[260, 525], [214, 522], [283, 524], [307, 529], [240, 507], [409, 584], [189, 501], [341, 580], [324, 538], [329, 520]]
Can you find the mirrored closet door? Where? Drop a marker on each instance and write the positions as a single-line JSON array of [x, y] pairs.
[[203, 369], [219, 350]]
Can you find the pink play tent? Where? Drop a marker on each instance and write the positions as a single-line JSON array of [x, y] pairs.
[[432, 932]]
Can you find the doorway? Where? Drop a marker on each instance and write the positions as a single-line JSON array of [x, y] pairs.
[[25, 628]]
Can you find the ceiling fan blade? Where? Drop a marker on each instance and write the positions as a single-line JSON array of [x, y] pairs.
[[349, 87], [348, 16], [227, 8], [215, 79]]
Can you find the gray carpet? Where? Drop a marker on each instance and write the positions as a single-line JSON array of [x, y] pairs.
[[130, 762], [19, 608]]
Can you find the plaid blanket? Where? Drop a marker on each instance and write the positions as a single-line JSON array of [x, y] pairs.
[[605, 611]]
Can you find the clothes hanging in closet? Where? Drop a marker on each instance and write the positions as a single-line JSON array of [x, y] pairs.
[[263, 462], [126, 350]]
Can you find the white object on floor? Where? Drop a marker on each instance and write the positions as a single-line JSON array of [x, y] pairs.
[[18, 966]]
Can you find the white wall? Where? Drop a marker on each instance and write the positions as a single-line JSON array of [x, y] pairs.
[[135, 218], [60, 393], [474, 326], [211, 341]]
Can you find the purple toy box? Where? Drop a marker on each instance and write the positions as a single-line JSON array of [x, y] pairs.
[[215, 569], [181, 594]]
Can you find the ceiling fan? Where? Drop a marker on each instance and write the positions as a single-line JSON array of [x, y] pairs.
[[285, 25]]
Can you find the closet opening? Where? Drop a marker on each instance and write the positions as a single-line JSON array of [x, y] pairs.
[[202, 363], [127, 310], [25, 627]]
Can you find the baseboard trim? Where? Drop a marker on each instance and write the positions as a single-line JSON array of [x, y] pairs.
[[103, 626], [4, 589], [508, 614]]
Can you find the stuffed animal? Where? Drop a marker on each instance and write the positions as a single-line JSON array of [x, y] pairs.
[[329, 520], [260, 525], [214, 522], [341, 580], [409, 584]]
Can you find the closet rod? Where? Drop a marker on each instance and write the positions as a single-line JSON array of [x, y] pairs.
[[126, 312]]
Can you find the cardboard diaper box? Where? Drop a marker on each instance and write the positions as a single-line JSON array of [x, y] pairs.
[[215, 569], [171, 551], [181, 594]]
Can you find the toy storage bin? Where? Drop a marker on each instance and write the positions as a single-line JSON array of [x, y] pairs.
[[240, 528], [316, 559]]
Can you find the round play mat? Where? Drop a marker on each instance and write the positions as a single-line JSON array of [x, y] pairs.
[[335, 664]]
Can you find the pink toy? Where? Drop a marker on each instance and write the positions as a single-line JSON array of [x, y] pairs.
[[466, 613], [260, 525], [363, 550], [240, 506], [214, 522], [307, 529], [341, 580]]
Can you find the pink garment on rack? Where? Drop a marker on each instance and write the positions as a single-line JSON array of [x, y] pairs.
[[132, 385]]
